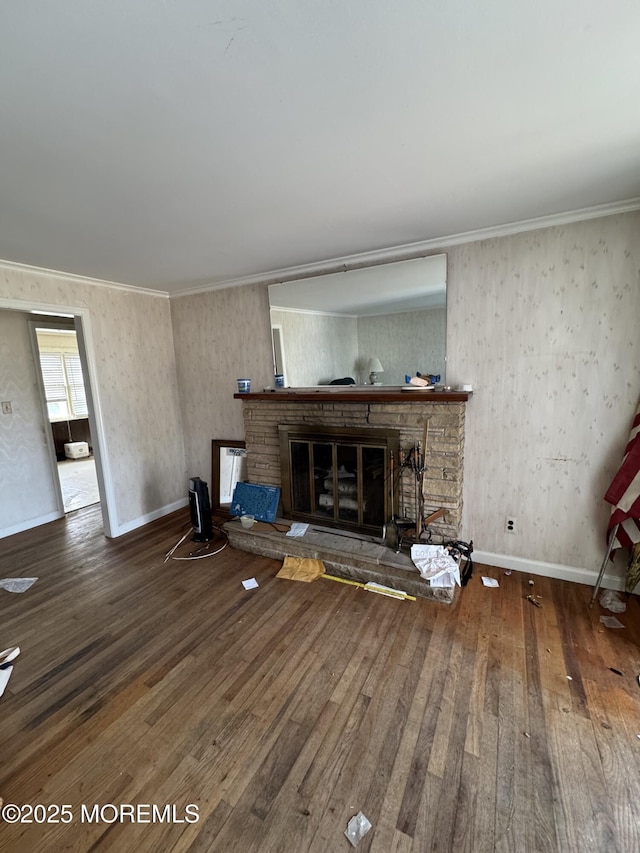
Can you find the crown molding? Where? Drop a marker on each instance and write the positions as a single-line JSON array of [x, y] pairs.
[[422, 248], [404, 252], [12, 266]]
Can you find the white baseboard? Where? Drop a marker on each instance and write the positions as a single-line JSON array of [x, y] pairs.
[[151, 516], [548, 570], [31, 522]]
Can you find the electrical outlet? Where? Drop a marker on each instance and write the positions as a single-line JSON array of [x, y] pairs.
[[509, 524], [6, 408]]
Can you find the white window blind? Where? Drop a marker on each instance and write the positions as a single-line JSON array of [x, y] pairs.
[[63, 385], [55, 386], [75, 384]]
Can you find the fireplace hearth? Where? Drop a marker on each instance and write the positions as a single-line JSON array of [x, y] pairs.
[[310, 417]]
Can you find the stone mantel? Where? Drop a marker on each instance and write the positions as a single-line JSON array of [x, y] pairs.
[[355, 394]]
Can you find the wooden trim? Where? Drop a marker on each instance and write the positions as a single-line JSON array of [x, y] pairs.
[[322, 395]]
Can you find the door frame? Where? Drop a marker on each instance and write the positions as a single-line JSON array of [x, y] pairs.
[[81, 319]]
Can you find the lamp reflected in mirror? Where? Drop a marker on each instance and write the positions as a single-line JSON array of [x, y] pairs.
[[375, 368]]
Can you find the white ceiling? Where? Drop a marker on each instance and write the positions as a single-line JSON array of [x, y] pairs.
[[180, 143]]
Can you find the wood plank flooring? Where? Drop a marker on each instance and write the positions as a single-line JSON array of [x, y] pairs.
[[280, 712]]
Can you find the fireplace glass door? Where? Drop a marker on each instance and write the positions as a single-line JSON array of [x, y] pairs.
[[337, 478]]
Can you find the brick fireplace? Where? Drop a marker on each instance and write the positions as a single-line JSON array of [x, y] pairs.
[[365, 412], [367, 409]]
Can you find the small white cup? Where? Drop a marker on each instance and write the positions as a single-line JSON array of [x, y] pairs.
[[247, 521]]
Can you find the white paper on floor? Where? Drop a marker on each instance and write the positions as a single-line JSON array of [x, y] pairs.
[[357, 827], [490, 582], [251, 583], [436, 565], [611, 622], [6, 666], [17, 584]]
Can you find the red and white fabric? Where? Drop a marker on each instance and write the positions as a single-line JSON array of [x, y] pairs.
[[624, 494]]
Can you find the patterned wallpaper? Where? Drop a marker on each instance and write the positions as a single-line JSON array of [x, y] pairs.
[[544, 325], [26, 484], [137, 386], [318, 347], [220, 337], [405, 343]]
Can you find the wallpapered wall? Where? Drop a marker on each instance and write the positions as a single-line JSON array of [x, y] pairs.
[[220, 337], [404, 343], [318, 347], [543, 324], [137, 386], [26, 484]]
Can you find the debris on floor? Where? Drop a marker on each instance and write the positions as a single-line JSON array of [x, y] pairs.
[[7, 658], [251, 583], [490, 582], [297, 529], [388, 591], [611, 622], [435, 564], [301, 569], [610, 600], [17, 584], [533, 601], [617, 671], [357, 828]]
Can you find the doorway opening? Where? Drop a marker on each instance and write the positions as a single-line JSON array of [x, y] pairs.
[[277, 344], [68, 414]]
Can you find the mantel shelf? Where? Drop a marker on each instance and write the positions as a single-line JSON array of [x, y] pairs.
[[345, 394]]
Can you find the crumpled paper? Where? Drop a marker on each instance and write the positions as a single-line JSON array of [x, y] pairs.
[[358, 827], [436, 565], [17, 584]]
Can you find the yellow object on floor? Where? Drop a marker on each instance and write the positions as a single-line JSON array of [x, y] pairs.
[[301, 569], [374, 587]]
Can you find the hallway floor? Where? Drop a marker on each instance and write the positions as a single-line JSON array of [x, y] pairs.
[[78, 482]]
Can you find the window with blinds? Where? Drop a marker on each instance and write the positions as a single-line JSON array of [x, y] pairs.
[[63, 385], [75, 385]]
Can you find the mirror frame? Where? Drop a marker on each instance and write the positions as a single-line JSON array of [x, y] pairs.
[[217, 445]]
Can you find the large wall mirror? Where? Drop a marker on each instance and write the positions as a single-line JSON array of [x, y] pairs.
[[344, 324]]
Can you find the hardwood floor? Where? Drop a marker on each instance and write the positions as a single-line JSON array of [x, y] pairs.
[[280, 712]]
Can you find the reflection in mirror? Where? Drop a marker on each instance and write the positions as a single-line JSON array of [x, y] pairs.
[[343, 325], [228, 467]]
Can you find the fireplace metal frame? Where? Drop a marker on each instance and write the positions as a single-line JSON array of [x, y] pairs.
[[387, 440]]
